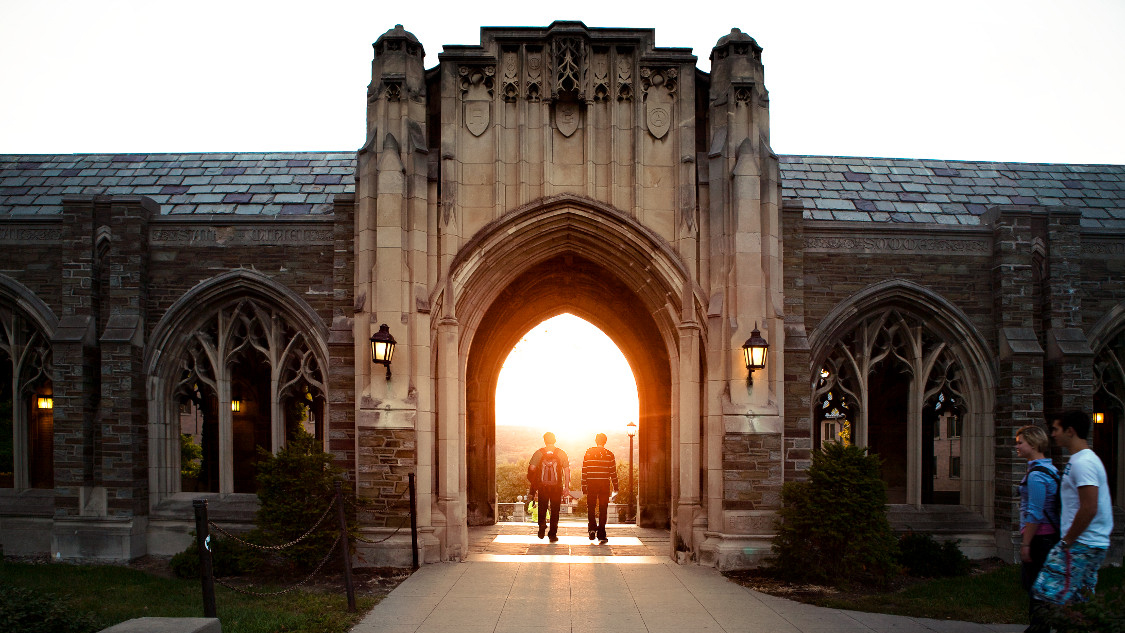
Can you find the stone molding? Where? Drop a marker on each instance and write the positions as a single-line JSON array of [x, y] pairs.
[[882, 239], [249, 232]]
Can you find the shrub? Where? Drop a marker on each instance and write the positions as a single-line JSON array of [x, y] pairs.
[[27, 611], [833, 528], [295, 487], [191, 457], [1104, 613], [228, 558], [924, 556]]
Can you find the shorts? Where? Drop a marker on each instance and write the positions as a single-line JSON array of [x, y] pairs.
[[1070, 574]]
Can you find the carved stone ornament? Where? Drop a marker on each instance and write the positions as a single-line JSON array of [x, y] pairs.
[[567, 117], [509, 80], [600, 72], [659, 87], [534, 73], [476, 93], [624, 79], [569, 57]]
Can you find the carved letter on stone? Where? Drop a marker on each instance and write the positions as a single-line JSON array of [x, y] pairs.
[[566, 117]]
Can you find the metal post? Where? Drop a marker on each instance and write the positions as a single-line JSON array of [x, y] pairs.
[[632, 501], [203, 543], [345, 548], [413, 521]]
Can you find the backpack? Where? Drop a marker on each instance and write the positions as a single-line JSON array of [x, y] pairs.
[[549, 469], [1058, 485]]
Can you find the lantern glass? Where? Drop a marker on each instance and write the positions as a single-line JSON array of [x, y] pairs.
[[631, 429], [236, 406], [1099, 418], [45, 402], [382, 346], [754, 350]]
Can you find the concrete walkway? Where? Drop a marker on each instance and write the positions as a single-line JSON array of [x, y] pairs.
[[512, 582]]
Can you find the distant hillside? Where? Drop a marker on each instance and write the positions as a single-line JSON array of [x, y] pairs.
[[517, 443]]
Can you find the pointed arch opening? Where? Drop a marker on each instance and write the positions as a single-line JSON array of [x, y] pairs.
[[26, 389], [1107, 436], [568, 377], [900, 370], [238, 366], [574, 285]]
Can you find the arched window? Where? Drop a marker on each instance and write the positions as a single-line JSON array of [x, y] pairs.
[[26, 404], [247, 380], [893, 385], [1106, 436]]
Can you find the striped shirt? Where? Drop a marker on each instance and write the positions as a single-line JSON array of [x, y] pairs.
[[598, 465]]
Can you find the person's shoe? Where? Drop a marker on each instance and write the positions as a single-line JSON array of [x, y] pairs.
[[603, 540], [542, 531], [554, 539], [592, 535]]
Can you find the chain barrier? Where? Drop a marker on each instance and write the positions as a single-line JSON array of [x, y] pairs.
[[353, 503], [289, 589], [275, 548], [203, 524]]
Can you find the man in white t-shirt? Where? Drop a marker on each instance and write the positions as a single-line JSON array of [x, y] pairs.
[[1071, 571]]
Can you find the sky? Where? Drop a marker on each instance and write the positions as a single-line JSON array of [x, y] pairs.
[[568, 377], [1000, 80]]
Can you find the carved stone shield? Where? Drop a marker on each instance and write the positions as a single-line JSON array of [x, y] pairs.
[[477, 116], [659, 117], [566, 117]]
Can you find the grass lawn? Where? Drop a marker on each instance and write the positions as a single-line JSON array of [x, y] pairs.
[[113, 594], [990, 597]]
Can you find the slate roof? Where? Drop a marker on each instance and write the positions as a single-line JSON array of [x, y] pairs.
[[304, 183], [288, 183], [946, 191]]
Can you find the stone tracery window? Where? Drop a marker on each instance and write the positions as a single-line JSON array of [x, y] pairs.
[[1107, 438], [248, 380], [26, 422], [900, 386]]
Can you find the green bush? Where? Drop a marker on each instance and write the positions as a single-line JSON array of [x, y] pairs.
[[924, 556], [228, 558], [295, 487], [191, 457], [1104, 613], [832, 528], [27, 611]]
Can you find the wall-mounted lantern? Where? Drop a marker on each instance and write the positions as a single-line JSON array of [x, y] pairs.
[[382, 348], [45, 402], [1099, 418], [754, 353], [235, 406]]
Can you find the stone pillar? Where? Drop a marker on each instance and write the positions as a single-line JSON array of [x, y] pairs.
[[75, 355], [112, 508], [745, 291], [391, 240], [1069, 372], [1020, 387]]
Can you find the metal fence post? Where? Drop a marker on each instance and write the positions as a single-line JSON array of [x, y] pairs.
[[413, 521], [346, 545], [203, 543]]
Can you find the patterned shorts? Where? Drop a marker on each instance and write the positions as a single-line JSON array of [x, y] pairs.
[[1070, 574]]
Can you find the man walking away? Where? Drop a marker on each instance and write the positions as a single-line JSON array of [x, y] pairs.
[[1071, 571], [549, 469], [599, 475]]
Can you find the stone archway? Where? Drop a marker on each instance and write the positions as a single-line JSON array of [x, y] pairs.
[[569, 283], [566, 254]]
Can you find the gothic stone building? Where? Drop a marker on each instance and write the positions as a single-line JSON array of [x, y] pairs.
[[922, 308]]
